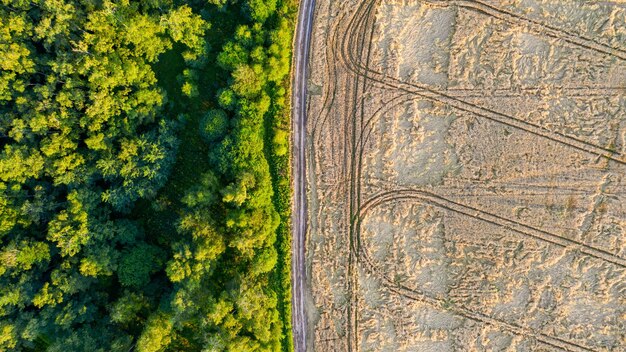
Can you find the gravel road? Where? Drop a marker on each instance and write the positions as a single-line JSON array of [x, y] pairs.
[[299, 105]]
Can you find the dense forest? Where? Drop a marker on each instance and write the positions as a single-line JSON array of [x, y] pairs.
[[144, 175]]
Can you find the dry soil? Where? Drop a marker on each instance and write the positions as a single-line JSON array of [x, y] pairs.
[[466, 166]]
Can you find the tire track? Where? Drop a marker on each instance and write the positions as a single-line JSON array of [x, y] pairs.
[[440, 302], [386, 107], [568, 92], [362, 43], [444, 305], [492, 115], [493, 219], [330, 92], [439, 96], [352, 118], [535, 26]]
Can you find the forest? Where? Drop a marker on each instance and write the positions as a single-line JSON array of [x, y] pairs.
[[144, 175]]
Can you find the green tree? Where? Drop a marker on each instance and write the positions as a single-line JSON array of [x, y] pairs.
[[260, 10], [214, 125], [137, 263], [84, 135]]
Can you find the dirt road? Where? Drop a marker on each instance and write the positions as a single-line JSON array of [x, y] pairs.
[[299, 93]]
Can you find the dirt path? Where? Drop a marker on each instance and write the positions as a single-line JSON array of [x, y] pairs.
[[299, 93]]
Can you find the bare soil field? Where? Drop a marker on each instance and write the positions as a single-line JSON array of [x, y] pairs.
[[466, 170]]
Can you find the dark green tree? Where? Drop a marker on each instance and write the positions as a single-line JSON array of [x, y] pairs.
[[84, 134]]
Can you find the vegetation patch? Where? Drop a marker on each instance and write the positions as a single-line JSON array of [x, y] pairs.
[[144, 175]]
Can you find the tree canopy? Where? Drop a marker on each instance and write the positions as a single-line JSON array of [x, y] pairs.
[[92, 133]]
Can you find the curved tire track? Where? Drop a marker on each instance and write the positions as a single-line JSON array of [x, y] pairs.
[[535, 26], [493, 219], [432, 94], [440, 302]]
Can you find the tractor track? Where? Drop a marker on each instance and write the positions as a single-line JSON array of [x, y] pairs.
[[441, 302], [493, 219], [444, 305], [358, 120], [535, 26], [329, 93], [351, 120], [428, 93]]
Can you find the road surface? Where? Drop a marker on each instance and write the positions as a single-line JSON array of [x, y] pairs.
[[299, 217]]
